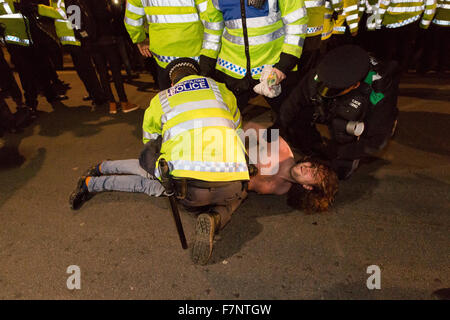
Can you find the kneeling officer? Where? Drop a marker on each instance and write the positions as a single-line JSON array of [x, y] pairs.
[[193, 126], [351, 93]]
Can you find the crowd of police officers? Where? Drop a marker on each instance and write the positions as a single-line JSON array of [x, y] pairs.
[[233, 41]]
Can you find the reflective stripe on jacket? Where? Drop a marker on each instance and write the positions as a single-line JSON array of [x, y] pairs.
[[198, 120], [279, 26], [64, 29], [399, 13], [174, 27], [315, 10], [442, 16], [16, 25], [348, 19], [328, 23]]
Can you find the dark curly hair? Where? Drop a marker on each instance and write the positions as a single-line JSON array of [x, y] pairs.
[[322, 196]]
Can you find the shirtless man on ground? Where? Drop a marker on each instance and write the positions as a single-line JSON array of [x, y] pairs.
[[309, 184]]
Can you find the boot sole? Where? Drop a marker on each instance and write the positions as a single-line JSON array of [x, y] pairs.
[[203, 243]]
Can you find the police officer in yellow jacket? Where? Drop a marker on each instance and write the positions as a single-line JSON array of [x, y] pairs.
[[81, 58], [193, 126], [33, 67], [174, 29], [241, 37], [399, 22]]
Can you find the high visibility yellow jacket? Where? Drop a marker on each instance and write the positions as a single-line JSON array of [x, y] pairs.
[[399, 13], [174, 27], [370, 7], [16, 29], [17, 26], [315, 10], [198, 120], [64, 29], [349, 18], [331, 6], [442, 16], [278, 27]]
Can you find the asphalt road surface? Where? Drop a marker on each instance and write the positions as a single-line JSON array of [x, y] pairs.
[[393, 213]]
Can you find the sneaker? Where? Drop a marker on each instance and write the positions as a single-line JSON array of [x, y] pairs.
[[204, 237], [93, 171], [128, 107], [80, 195], [112, 108]]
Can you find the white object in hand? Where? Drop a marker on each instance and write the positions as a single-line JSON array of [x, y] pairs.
[[267, 86]]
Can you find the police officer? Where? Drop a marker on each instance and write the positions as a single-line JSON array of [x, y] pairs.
[[21, 37], [193, 126], [242, 37], [81, 58], [354, 96], [9, 87], [175, 30], [399, 22]]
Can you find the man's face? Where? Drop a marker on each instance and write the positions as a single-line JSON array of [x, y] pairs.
[[306, 174]]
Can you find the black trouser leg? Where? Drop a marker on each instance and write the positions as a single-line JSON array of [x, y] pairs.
[[6, 117], [7, 80], [102, 69], [310, 56], [43, 73], [124, 55], [86, 71], [115, 65], [163, 78], [406, 44], [21, 58], [441, 37]]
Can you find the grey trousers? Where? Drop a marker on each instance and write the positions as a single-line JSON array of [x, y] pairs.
[[127, 176]]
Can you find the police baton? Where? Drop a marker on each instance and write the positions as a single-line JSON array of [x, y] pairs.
[[167, 183]]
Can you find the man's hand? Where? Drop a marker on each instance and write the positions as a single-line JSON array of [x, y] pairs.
[[354, 34], [144, 48], [280, 75]]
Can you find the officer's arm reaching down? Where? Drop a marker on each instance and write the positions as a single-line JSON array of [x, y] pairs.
[[151, 130]]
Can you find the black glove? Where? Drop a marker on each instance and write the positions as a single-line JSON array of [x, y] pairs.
[[207, 66], [150, 154]]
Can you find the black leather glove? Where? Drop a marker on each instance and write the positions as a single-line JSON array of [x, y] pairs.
[[207, 66], [150, 154]]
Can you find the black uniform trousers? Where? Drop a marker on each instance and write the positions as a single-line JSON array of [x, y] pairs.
[[310, 55], [397, 44], [7, 81], [106, 57], [34, 72], [367, 39], [86, 71], [436, 49]]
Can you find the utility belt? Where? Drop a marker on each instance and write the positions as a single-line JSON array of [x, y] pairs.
[[181, 185]]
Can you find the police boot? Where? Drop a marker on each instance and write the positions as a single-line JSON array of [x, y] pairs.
[[207, 225]]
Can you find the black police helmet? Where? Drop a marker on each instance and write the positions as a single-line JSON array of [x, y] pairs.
[[185, 63], [341, 68]]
